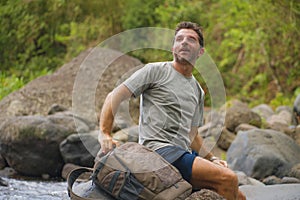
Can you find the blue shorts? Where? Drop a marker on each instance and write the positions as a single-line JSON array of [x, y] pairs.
[[180, 158]]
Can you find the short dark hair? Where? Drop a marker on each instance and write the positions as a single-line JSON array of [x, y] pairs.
[[193, 26]]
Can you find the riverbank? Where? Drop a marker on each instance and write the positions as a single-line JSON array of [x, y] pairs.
[[33, 190], [57, 190]]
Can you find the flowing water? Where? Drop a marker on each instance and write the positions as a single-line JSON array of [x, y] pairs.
[[33, 190]]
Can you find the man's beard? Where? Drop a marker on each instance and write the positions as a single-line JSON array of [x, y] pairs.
[[181, 60]]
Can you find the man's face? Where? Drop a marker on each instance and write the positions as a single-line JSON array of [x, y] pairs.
[[186, 48]]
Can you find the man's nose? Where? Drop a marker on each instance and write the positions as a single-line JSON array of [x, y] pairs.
[[184, 41]]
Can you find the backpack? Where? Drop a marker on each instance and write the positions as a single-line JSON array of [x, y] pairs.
[[132, 171]]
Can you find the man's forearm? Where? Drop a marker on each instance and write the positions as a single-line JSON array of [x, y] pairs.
[[107, 116], [198, 146], [110, 107]]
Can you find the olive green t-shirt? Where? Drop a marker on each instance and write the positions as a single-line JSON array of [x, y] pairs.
[[170, 105]]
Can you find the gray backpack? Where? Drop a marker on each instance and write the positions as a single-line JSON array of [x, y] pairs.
[[132, 171]]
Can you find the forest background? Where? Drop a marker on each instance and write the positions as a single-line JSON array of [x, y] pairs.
[[254, 43]]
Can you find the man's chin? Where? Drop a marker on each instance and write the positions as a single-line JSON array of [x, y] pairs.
[[183, 61]]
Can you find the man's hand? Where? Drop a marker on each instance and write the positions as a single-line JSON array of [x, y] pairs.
[[107, 143], [218, 161]]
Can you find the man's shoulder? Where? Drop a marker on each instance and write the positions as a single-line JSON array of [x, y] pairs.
[[158, 64]]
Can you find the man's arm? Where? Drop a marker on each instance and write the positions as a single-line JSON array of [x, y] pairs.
[[197, 146], [109, 109]]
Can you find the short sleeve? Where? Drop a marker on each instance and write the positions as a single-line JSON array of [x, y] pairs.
[[198, 115], [141, 80]]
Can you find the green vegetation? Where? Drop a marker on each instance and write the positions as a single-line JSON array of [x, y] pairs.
[[254, 43]]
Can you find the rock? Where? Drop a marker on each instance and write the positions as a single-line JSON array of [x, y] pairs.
[[289, 180], [205, 194], [281, 121], [3, 163], [295, 171], [210, 130], [244, 127], [273, 192], [272, 180], [130, 134], [288, 109], [264, 110], [225, 140], [38, 96], [30, 144], [261, 153], [56, 108], [215, 117], [80, 149], [246, 180], [3, 182], [122, 118], [296, 135], [239, 113], [8, 172]]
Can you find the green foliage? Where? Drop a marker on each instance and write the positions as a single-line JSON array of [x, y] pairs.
[[281, 100], [253, 42], [9, 84]]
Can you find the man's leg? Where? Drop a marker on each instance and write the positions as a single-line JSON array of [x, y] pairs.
[[206, 174]]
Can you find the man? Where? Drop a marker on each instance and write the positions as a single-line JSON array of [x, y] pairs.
[[171, 111]]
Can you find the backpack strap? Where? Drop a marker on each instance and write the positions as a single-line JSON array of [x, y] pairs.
[[74, 174]]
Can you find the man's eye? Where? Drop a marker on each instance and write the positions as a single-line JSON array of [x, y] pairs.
[[179, 39], [192, 39]]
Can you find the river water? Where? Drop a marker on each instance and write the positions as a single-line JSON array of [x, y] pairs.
[[33, 190]]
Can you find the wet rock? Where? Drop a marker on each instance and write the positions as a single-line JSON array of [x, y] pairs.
[[3, 182], [30, 144], [80, 149]]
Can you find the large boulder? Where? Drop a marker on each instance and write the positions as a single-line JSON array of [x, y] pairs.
[[105, 69], [280, 121], [30, 144], [261, 153], [80, 149], [239, 113], [264, 110]]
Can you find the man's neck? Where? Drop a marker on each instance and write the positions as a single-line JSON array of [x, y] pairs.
[[184, 69]]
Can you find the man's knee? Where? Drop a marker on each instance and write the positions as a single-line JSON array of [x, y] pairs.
[[229, 178]]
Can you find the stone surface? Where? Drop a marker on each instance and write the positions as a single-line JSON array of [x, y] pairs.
[[30, 144], [205, 194], [239, 113], [80, 149], [295, 171], [130, 134], [264, 110], [104, 70], [226, 138], [261, 153], [272, 192]]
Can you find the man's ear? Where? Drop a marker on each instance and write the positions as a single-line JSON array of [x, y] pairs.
[[201, 52]]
